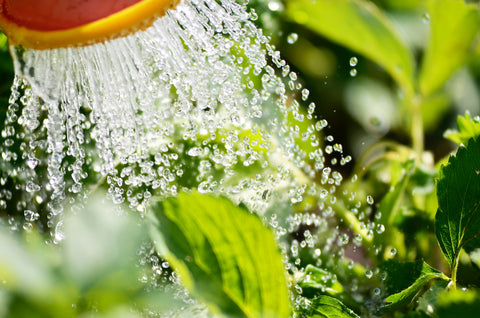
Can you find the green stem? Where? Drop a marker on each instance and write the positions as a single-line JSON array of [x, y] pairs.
[[453, 278], [350, 218], [416, 129]]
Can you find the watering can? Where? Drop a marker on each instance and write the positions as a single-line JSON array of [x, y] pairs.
[[49, 24]]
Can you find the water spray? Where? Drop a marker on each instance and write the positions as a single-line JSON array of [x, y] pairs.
[[147, 101]]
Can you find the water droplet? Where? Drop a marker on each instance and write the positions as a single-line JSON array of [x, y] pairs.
[[393, 251], [426, 18], [292, 38], [380, 228], [353, 72], [353, 61], [368, 274], [370, 199], [275, 5], [31, 216]]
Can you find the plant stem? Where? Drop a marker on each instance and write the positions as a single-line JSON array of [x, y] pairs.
[[416, 129], [453, 278]]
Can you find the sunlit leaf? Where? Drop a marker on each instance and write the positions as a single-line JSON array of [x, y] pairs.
[[405, 280], [468, 128], [320, 279], [360, 26], [458, 216], [453, 28], [458, 303], [329, 307], [224, 254]]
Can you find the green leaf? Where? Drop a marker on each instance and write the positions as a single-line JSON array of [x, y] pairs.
[[362, 27], [101, 247], [329, 307], [20, 271], [467, 128], [224, 254], [405, 280], [458, 189], [458, 303], [320, 279], [454, 26]]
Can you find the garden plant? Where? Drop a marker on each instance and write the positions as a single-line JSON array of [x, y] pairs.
[[398, 82]]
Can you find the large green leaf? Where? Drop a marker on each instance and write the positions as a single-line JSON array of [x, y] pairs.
[[360, 26], [458, 216], [404, 281], [453, 28], [224, 254], [329, 307]]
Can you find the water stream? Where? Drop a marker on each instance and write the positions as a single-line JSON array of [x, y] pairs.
[[199, 100]]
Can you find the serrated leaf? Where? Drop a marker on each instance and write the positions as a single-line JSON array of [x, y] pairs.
[[329, 307], [458, 189], [454, 26], [468, 128], [405, 280], [224, 254], [360, 26]]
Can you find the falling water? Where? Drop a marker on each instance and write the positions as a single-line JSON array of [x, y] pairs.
[[200, 100]]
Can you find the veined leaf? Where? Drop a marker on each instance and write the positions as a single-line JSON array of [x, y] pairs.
[[454, 26], [405, 280], [362, 27], [224, 254], [458, 216], [329, 307]]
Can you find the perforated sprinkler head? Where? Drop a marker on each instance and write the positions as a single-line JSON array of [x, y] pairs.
[[49, 24]]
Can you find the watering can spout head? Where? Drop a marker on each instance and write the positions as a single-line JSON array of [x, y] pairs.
[[48, 24]]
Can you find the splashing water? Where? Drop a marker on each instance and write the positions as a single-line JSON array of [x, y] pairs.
[[198, 100]]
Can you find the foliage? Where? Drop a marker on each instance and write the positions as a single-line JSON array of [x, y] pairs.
[[329, 307], [95, 274], [224, 254], [416, 69]]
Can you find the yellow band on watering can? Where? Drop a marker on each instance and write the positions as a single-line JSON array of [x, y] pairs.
[[131, 19]]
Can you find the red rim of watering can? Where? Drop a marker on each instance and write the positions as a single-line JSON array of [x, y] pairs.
[[49, 24]]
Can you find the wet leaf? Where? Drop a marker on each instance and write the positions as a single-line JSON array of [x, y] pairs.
[[224, 254], [453, 28], [405, 280], [458, 216], [320, 279], [329, 307], [360, 26]]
